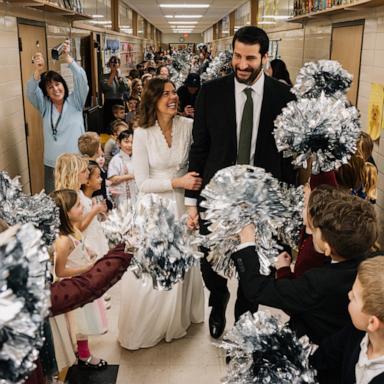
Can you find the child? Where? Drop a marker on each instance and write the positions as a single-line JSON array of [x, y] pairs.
[[120, 170], [351, 176], [356, 354], [89, 145], [94, 237], [365, 147], [71, 172], [307, 257], [72, 258], [370, 184], [111, 147], [344, 228], [118, 112]]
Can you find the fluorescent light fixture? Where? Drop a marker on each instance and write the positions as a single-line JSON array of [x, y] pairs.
[[182, 22], [266, 22], [183, 16], [183, 27], [125, 26], [98, 16], [188, 16], [276, 17], [184, 5]]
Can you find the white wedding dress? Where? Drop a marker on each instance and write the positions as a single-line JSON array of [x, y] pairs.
[[148, 316]]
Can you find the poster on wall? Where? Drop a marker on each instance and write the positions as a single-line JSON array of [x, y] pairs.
[[375, 110], [111, 48]]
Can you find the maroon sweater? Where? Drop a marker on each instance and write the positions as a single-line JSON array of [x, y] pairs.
[[307, 259]]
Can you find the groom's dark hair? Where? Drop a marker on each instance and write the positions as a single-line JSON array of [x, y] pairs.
[[252, 35]]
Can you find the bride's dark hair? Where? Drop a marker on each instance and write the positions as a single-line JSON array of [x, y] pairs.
[[151, 95]]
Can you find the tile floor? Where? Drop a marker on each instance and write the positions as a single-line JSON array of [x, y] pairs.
[[192, 359]]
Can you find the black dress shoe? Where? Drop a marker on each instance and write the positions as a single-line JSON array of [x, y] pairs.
[[217, 318]]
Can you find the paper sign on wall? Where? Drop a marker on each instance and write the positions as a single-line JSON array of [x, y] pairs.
[[375, 110]]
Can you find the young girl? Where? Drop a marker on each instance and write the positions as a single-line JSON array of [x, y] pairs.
[[72, 258], [120, 170], [71, 172], [93, 235]]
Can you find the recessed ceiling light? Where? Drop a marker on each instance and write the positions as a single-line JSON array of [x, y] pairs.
[[182, 22], [184, 5]]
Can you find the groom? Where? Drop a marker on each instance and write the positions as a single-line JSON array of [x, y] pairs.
[[233, 125]]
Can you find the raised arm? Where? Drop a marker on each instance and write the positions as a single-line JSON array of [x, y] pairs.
[[34, 93], [80, 81]]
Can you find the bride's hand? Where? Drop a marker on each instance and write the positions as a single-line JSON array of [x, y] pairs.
[[190, 181]]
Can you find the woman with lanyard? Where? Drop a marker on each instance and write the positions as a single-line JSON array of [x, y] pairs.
[[62, 112], [114, 87]]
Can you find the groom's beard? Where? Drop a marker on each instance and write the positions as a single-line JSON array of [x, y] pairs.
[[254, 73]]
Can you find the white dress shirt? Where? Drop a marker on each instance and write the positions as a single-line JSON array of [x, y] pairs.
[[366, 369], [240, 98]]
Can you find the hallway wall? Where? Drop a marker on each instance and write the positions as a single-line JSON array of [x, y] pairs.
[[13, 146]]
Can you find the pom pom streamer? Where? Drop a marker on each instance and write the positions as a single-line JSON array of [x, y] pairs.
[[240, 195], [326, 76], [264, 350], [219, 65], [24, 301], [180, 68], [17, 207], [163, 247], [323, 129]]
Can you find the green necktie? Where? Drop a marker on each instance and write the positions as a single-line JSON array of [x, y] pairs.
[[246, 128]]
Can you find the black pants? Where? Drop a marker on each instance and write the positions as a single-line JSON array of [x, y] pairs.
[[217, 285]]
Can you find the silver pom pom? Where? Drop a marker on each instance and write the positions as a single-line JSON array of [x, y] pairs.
[[264, 350], [17, 207], [180, 68], [237, 196], [323, 129], [219, 66], [163, 247], [326, 76], [24, 300]]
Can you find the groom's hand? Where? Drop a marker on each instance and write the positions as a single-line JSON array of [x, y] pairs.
[[193, 218]]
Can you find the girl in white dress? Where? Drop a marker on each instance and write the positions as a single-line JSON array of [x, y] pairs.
[[72, 258], [160, 157], [94, 237]]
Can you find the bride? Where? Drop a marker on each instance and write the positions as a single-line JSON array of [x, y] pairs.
[[160, 156]]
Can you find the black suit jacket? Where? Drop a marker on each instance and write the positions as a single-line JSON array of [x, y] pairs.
[[214, 130], [317, 302], [336, 358]]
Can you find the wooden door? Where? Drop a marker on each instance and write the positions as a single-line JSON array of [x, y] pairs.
[[346, 48], [32, 40]]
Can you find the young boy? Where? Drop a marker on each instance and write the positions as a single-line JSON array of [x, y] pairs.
[[344, 228], [111, 147], [356, 354], [120, 170], [118, 112], [89, 145]]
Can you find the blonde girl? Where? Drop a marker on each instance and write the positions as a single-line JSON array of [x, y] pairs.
[[72, 258], [71, 172], [370, 184]]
